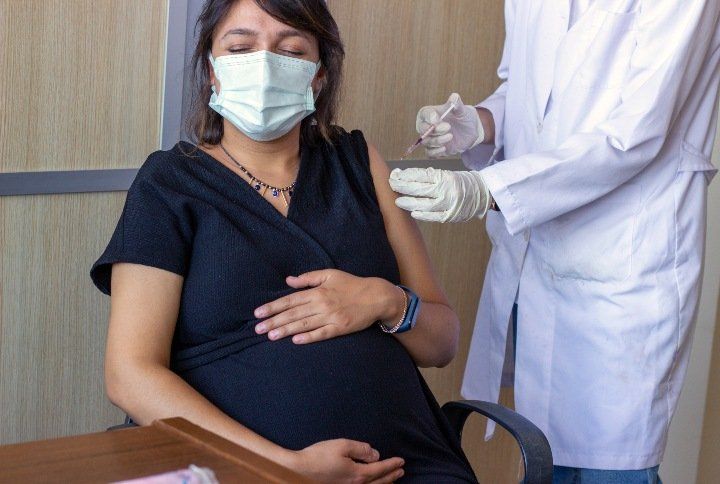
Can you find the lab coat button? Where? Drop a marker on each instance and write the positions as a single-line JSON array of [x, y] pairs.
[[539, 127]]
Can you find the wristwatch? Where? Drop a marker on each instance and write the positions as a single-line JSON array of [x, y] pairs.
[[410, 316], [412, 312]]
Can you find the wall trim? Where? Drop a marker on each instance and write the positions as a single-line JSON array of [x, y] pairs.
[[115, 180], [56, 182], [174, 73]]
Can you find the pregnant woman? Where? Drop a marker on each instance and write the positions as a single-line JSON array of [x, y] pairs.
[[263, 283]]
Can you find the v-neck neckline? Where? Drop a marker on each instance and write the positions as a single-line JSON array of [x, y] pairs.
[[253, 194]]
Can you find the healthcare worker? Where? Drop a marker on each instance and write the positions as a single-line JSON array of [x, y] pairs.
[[603, 129]]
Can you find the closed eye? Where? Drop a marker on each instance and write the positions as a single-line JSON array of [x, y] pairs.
[[293, 53]]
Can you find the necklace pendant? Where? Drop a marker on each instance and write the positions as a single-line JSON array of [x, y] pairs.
[[260, 186]]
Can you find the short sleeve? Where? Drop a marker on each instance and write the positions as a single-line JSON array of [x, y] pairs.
[[355, 158], [153, 229]]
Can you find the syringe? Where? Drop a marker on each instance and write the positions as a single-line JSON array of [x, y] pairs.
[[427, 133]]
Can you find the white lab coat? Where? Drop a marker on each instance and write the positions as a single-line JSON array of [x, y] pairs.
[[607, 122]]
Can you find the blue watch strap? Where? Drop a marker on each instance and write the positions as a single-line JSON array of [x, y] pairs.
[[412, 312]]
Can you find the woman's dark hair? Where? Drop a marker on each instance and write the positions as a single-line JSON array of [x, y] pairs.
[[205, 126]]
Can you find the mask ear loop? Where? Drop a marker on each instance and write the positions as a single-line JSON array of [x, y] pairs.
[[316, 95], [212, 63]]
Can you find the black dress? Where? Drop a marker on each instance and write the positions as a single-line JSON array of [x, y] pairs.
[[189, 214]]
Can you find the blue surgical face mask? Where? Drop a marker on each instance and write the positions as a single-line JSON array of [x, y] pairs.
[[263, 94]]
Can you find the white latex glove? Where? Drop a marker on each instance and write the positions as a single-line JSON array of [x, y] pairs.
[[460, 131], [441, 195]]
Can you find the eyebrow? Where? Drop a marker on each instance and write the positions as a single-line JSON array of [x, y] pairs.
[[253, 33], [240, 31]]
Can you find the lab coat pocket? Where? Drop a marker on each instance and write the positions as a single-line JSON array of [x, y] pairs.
[[594, 242], [608, 47], [695, 160]]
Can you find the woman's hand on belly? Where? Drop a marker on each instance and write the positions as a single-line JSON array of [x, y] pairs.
[[343, 460], [334, 303]]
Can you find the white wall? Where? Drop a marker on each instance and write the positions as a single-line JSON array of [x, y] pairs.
[[683, 449]]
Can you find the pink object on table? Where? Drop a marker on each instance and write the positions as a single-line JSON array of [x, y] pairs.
[[191, 475]]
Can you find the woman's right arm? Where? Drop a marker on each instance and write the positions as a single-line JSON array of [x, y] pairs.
[[144, 308]]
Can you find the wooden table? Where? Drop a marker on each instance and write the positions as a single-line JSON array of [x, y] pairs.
[[166, 445]]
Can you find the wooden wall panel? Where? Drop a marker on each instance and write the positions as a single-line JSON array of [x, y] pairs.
[[404, 54], [401, 55], [80, 88], [53, 322], [79, 83], [459, 253]]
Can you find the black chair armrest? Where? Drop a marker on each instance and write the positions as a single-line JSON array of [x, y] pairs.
[[127, 424], [534, 447]]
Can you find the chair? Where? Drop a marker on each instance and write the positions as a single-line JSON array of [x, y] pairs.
[[534, 447], [127, 424]]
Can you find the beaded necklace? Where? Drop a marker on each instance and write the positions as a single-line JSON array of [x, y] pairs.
[[261, 185]]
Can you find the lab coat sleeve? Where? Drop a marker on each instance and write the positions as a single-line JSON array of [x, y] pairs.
[[476, 159], [674, 38]]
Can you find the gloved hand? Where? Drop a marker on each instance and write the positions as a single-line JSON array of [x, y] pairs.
[[441, 195], [460, 131]]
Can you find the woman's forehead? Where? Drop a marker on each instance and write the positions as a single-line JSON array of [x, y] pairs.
[[247, 18]]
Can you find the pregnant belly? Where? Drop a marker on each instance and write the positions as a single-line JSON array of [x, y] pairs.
[[362, 386]]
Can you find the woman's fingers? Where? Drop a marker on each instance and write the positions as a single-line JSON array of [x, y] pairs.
[[282, 304], [342, 460], [297, 282], [322, 332], [309, 279], [360, 451], [390, 478], [279, 321], [382, 471], [330, 306], [298, 329]]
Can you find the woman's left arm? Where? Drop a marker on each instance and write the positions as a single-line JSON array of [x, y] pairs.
[[336, 303], [434, 339]]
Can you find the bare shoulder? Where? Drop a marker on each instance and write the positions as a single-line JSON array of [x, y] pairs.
[[401, 229], [380, 172], [377, 162]]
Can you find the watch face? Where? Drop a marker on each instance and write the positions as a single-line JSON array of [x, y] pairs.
[[412, 311]]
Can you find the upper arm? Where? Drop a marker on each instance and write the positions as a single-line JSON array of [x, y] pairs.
[[416, 269], [663, 74], [144, 307]]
